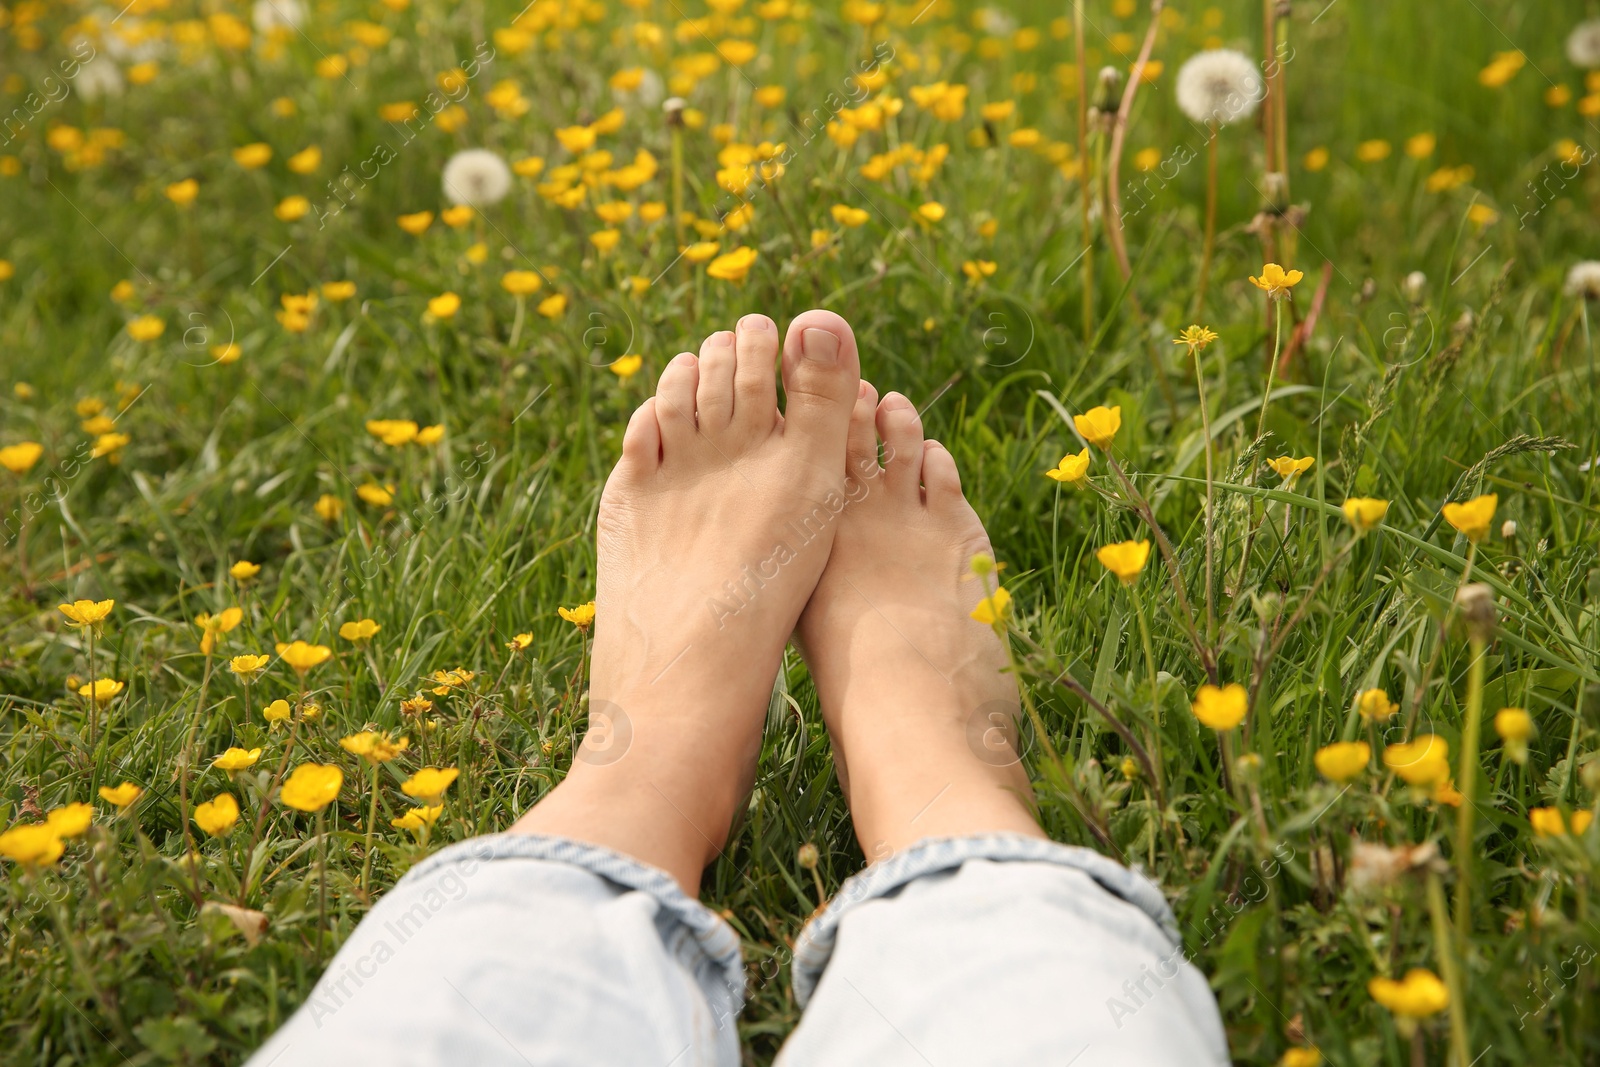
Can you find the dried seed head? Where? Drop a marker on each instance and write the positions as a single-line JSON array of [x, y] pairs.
[[1476, 602], [807, 856]]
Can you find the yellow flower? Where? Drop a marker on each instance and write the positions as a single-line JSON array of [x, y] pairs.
[[1421, 145], [338, 291], [213, 626], [576, 139], [1501, 69], [520, 282], [1481, 214], [247, 667], [1363, 513], [109, 444], [553, 305], [35, 845], [236, 759], [1316, 159], [216, 817], [992, 609], [244, 570], [1513, 724], [87, 611], [252, 156], [1125, 559], [20, 458], [276, 712], [1099, 425], [700, 251], [373, 746], [932, 211], [1375, 705], [291, 208], [1418, 995], [102, 690], [732, 266], [847, 216], [393, 432], [581, 616], [528, 166], [303, 657], [183, 193], [415, 819], [1221, 709], [1373, 151], [1275, 281], [457, 216], [417, 223], [1196, 337], [430, 435], [226, 354], [978, 269], [626, 367], [328, 507], [312, 787], [1424, 761], [1472, 518], [379, 496], [451, 679], [306, 160], [120, 796], [1301, 1057], [70, 821], [444, 306], [1287, 467], [1072, 469], [1343, 760], [429, 784], [360, 630], [146, 328]]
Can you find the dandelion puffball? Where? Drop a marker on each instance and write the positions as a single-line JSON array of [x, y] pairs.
[[99, 77], [269, 15], [1583, 44], [648, 92], [1219, 87], [477, 177], [1583, 279]]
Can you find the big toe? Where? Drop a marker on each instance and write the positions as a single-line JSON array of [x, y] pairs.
[[821, 379]]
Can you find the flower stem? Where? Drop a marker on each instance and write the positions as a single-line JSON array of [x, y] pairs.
[[1272, 368], [372, 822], [1210, 244], [1447, 964], [1205, 429], [322, 886], [1150, 666], [1468, 775]]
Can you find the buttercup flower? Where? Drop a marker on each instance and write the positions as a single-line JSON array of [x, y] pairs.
[[1099, 425], [993, 609], [82, 613], [626, 367], [444, 306], [374, 747], [1072, 469], [1472, 519], [1287, 467], [1364, 513], [244, 570], [120, 796], [732, 266], [1374, 705], [236, 759], [146, 328], [429, 784], [302, 656], [247, 667], [216, 817], [1125, 559], [276, 712], [20, 458], [1516, 729], [1424, 761], [417, 223], [847, 216], [1275, 281], [102, 690], [581, 616], [1196, 337], [252, 156], [1418, 995], [360, 630], [69, 821], [32, 845], [1343, 760], [520, 282], [328, 507], [311, 787], [213, 626], [416, 819], [1549, 822], [1221, 708]]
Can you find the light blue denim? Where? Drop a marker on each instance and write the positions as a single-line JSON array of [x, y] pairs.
[[515, 949]]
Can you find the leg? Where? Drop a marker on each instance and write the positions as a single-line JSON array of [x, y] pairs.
[[575, 938], [971, 938]]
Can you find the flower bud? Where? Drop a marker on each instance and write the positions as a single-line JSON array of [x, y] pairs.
[[807, 856], [1476, 602]]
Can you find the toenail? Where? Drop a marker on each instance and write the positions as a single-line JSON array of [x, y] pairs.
[[720, 339], [757, 324], [895, 402], [861, 391], [820, 346]]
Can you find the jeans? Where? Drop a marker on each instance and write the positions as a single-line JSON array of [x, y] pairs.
[[516, 949]]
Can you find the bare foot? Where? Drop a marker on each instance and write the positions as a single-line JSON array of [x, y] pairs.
[[911, 687], [713, 529]]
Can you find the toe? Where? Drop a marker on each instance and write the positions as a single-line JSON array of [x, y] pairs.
[[861, 447], [714, 396], [821, 377], [641, 442], [675, 402], [755, 390], [901, 429], [941, 481]]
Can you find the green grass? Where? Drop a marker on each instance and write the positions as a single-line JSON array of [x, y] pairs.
[[1486, 383]]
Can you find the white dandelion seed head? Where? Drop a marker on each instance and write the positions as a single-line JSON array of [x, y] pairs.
[[649, 93], [98, 78], [1583, 44], [1583, 279], [995, 22], [124, 39], [1219, 86], [1415, 286], [477, 177], [269, 15]]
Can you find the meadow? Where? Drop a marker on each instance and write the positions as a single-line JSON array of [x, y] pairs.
[[305, 415]]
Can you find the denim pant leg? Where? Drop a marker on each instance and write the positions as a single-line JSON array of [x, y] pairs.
[[518, 950], [999, 949]]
